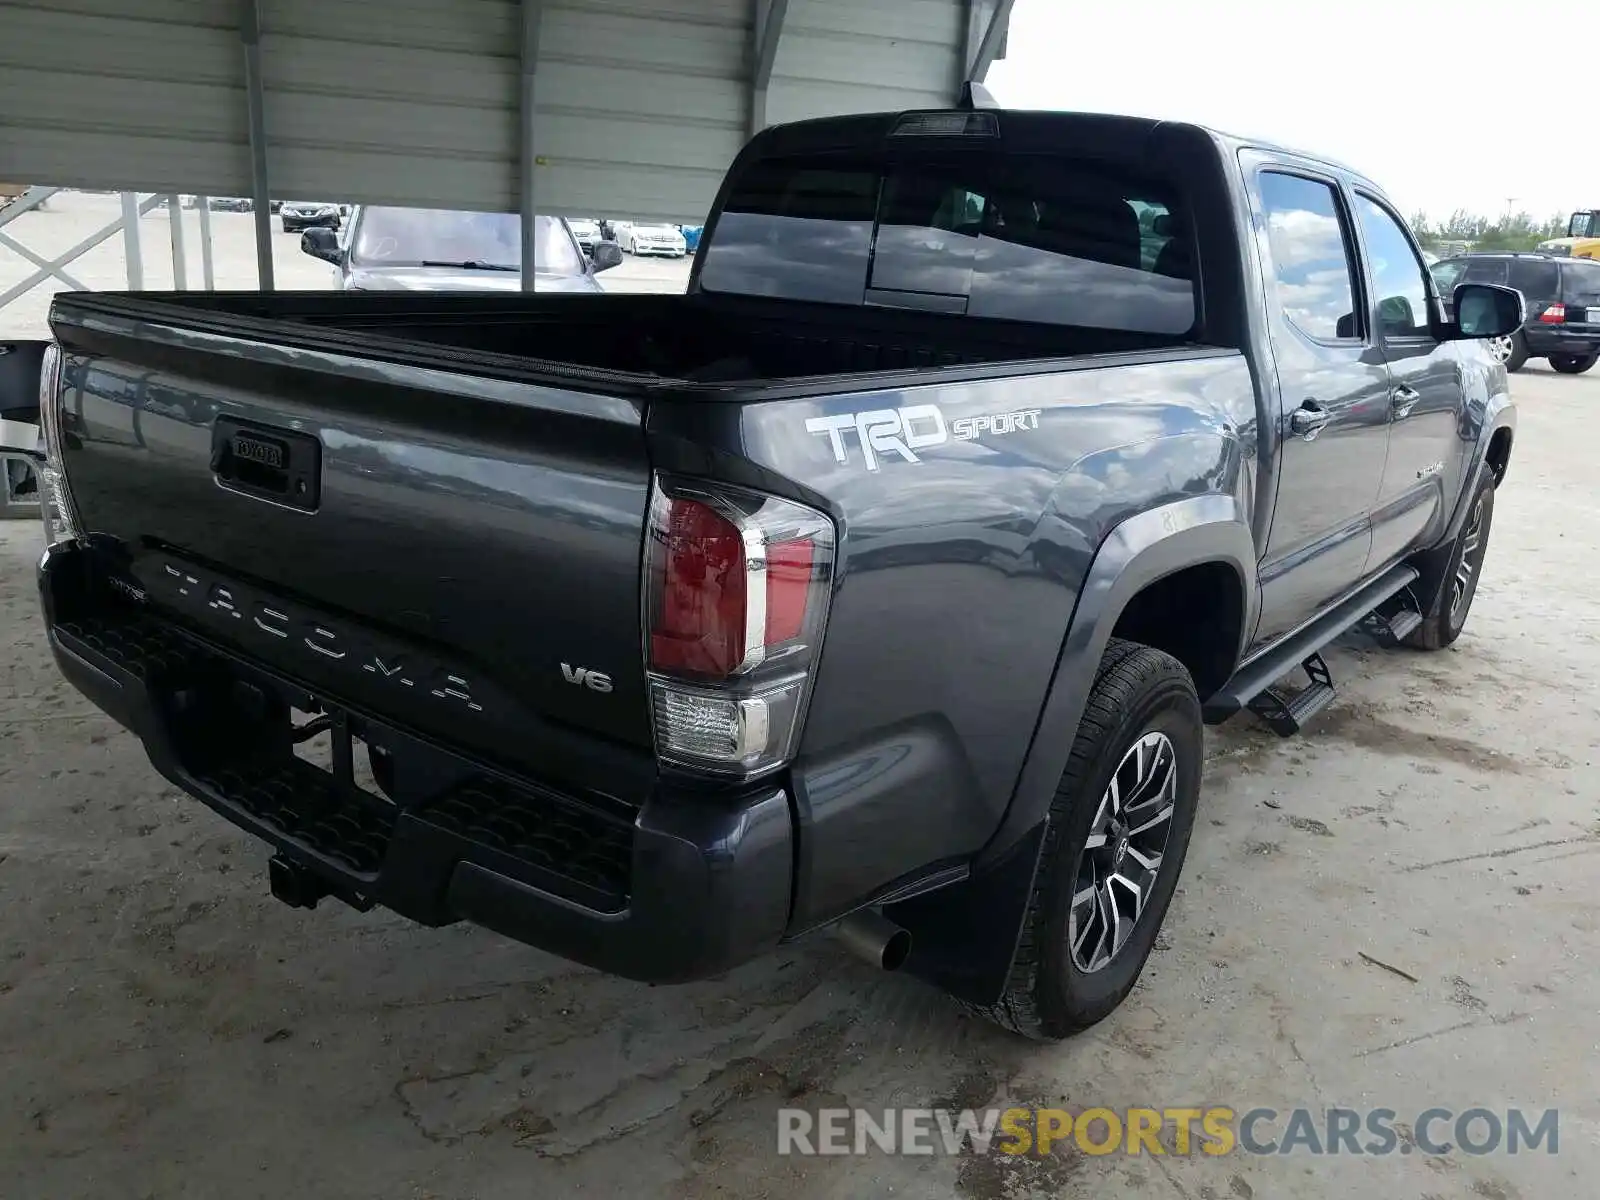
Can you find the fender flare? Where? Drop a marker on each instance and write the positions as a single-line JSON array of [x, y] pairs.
[[1136, 553], [965, 936], [1501, 413]]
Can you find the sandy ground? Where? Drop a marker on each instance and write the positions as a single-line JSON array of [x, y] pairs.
[[72, 217], [168, 1030]]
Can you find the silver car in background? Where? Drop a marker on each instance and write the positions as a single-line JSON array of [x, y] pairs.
[[654, 239], [434, 249], [587, 231]]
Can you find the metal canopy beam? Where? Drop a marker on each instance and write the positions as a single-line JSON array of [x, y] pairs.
[[256, 102], [38, 260], [66, 256], [528, 160], [990, 42], [770, 15], [29, 200]]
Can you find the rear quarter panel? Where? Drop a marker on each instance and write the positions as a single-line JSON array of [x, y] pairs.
[[957, 578]]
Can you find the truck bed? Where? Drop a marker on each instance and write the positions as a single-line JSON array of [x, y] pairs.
[[634, 342]]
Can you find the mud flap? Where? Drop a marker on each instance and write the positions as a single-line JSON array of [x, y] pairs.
[[964, 937]]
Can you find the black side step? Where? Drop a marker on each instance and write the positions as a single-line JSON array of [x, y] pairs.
[[1287, 717], [1260, 672], [1391, 630]]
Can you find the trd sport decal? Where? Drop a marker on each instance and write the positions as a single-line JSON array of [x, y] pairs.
[[903, 431]]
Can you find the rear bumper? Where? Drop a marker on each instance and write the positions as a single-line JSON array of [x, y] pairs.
[[1555, 339], [683, 887]]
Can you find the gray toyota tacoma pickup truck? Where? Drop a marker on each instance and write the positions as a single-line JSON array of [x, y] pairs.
[[881, 584]]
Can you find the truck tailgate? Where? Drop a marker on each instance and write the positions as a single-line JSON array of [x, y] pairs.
[[457, 552]]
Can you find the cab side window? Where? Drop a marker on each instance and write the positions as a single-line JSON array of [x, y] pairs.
[[1398, 277], [1310, 256]]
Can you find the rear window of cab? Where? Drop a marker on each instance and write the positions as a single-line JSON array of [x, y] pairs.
[[1006, 237]]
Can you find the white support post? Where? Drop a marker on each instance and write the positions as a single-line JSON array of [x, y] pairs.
[[256, 104], [770, 16], [528, 159], [180, 262], [208, 276], [132, 250]]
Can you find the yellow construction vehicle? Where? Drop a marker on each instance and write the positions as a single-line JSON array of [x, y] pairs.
[[1583, 237]]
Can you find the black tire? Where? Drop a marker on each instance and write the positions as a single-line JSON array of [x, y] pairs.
[[1519, 352], [1137, 691], [1445, 616], [1573, 364]]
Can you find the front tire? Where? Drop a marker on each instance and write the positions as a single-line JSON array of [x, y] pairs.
[[1573, 364], [1462, 567], [1119, 830]]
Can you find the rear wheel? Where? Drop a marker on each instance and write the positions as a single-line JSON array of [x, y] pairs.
[[1573, 364], [1119, 829]]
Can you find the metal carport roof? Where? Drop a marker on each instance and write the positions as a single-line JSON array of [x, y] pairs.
[[626, 107]]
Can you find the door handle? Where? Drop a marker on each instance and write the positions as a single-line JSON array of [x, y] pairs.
[[1308, 420], [1402, 400]]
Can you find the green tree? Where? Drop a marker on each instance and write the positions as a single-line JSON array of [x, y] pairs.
[[1519, 231]]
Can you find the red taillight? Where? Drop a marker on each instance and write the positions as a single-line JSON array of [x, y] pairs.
[[788, 584], [700, 628], [704, 624], [736, 595], [1556, 314]]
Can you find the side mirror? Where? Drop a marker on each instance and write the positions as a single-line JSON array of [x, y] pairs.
[[1394, 313], [606, 256], [1487, 310], [322, 243]]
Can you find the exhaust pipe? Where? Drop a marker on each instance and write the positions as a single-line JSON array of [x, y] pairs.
[[874, 938]]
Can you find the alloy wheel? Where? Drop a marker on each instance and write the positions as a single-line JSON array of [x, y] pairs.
[[1471, 559], [1501, 348], [1127, 839]]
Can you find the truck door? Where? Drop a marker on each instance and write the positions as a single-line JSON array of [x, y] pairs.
[[1333, 394], [1427, 455]]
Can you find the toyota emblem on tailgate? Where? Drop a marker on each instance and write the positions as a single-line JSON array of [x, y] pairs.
[[259, 450]]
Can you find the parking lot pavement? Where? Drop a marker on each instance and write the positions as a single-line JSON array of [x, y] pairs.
[[70, 217], [169, 1030]]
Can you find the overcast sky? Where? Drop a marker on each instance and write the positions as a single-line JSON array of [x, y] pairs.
[[1409, 92]]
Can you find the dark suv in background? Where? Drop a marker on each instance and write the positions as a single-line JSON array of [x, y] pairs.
[[1563, 305]]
